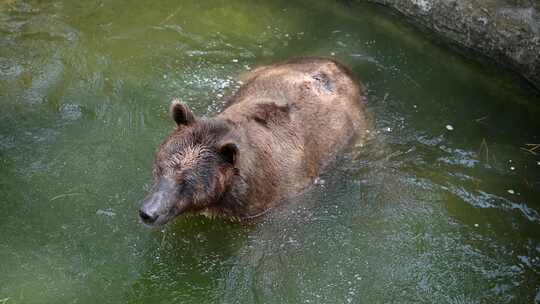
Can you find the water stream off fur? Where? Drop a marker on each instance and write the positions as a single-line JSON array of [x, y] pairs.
[[422, 213]]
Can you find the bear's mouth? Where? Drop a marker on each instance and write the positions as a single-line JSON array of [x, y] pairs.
[[159, 221]]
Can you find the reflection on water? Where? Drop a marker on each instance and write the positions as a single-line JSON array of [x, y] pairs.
[[420, 213]]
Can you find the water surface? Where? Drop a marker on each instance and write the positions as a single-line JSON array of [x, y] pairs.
[[420, 214]]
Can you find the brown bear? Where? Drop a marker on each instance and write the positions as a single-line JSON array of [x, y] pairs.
[[272, 140]]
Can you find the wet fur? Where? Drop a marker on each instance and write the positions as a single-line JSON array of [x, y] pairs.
[[288, 121]]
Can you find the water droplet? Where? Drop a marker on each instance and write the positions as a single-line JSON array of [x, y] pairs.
[[318, 181]]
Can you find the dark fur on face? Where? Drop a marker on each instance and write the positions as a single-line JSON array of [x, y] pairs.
[[194, 166]]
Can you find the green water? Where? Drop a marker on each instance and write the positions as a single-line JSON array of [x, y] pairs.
[[420, 214]]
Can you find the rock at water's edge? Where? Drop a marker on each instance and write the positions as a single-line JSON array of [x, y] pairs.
[[507, 31]]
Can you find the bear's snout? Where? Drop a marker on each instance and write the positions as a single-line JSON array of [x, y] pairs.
[[152, 209], [148, 217], [160, 205]]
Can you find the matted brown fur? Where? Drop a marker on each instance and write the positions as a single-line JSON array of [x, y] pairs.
[[272, 140]]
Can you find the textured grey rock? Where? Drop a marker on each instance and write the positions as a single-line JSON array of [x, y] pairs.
[[507, 31]]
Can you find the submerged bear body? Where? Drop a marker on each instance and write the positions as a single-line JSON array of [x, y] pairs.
[[272, 140]]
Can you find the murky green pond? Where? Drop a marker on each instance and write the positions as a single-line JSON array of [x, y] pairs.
[[420, 214]]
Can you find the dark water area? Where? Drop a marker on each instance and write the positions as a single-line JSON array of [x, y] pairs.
[[440, 206]]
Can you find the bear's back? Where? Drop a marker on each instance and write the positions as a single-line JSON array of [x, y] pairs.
[[295, 116]]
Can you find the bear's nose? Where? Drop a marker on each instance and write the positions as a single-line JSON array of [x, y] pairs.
[[147, 218]]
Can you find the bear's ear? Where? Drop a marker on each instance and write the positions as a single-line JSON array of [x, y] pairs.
[[180, 113], [229, 153]]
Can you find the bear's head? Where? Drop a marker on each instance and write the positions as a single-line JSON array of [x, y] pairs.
[[193, 167]]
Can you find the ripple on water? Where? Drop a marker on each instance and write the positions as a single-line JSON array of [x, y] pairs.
[[70, 111], [416, 215]]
